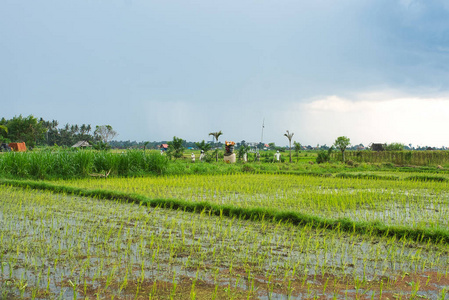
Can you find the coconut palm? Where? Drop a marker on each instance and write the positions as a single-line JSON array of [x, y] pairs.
[[203, 146], [145, 144], [289, 136], [216, 135]]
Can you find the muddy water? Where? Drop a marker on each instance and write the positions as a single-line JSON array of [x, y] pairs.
[[59, 245]]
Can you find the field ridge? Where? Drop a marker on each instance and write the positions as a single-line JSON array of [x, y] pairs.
[[255, 214]]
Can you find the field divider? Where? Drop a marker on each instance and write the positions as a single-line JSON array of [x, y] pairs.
[[371, 228]]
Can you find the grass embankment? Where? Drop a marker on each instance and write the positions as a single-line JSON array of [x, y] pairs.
[[436, 235]]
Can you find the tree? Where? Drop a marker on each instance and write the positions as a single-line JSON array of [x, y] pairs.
[[28, 130], [175, 148], [243, 149], [324, 156], [216, 135], [289, 136], [297, 147], [203, 146], [105, 133], [394, 147], [145, 146], [4, 128], [342, 142]]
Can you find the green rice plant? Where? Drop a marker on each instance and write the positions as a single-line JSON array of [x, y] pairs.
[[244, 224], [427, 178]]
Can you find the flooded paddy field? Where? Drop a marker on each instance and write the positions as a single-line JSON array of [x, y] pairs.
[[58, 246], [415, 204]]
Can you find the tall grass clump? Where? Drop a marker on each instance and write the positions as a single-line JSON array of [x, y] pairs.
[[156, 163], [68, 164], [14, 164], [82, 163]]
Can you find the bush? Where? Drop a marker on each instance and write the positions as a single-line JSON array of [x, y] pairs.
[[156, 163], [248, 169], [324, 156]]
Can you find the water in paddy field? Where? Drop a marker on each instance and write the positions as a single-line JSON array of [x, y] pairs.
[[59, 245]]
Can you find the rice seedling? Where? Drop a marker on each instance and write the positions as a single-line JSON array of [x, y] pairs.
[[78, 247], [413, 204]]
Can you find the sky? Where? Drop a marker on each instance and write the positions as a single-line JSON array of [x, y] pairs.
[[371, 70]]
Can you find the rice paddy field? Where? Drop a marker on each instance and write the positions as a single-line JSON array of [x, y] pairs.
[[358, 237]]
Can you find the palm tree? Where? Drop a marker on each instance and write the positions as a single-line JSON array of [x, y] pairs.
[[216, 135], [145, 146], [297, 147], [289, 136], [203, 146], [175, 148]]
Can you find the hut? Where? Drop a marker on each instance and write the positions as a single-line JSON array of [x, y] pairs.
[[19, 147], [81, 144]]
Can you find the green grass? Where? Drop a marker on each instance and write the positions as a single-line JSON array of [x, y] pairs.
[[318, 216]]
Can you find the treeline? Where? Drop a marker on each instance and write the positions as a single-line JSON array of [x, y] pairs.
[[36, 132], [152, 145], [39, 132]]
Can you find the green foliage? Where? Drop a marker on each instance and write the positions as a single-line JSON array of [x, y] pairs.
[[28, 130], [297, 147], [394, 147], [203, 146], [175, 148], [243, 149], [342, 142], [156, 163], [68, 164], [104, 133], [145, 144], [101, 146], [248, 169], [216, 135], [324, 156], [427, 178], [3, 128], [370, 228]]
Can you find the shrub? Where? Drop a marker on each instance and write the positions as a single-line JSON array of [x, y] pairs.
[[324, 156], [156, 163], [248, 169]]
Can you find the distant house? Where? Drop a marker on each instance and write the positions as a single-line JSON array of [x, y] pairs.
[[81, 144], [163, 147]]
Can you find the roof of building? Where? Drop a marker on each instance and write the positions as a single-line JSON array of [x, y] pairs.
[[81, 144]]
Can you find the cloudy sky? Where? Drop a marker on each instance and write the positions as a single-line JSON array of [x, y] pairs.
[[372, 70]]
